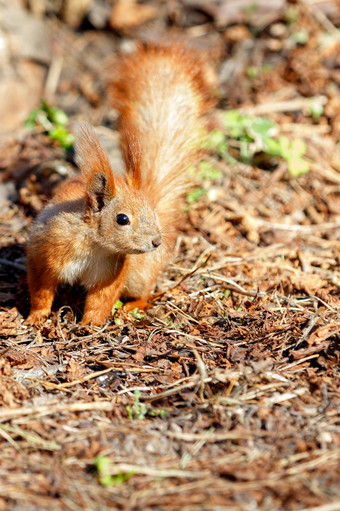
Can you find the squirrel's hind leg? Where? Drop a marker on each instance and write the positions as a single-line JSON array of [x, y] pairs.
[[140, 304]]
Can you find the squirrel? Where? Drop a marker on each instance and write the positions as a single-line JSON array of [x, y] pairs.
[[113, 234]]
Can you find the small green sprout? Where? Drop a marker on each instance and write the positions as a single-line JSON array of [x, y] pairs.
[[102, 466], [300, 37], [195, 195], [316, 110], [138, 410], [53, 121], [118, 305], [216, 142], [136, 313], [291, 14], [206, 170], [252, 72], [162, 413]]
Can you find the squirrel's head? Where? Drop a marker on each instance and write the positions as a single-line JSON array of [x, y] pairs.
[[124, 220]]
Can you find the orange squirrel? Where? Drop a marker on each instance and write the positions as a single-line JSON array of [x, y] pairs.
[[114, 234]]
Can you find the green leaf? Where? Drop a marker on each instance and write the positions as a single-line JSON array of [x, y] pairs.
[[234, 123], [246, 151], [262, 127], [137, 314], [129, 412], [300, 37], [231, 118], [58, 117], [118, 304], [272, 147], [31, 120], [215, 140], [285, 147], [316, 110], [252, 72], [101, 463], [61, 134], [206, 170], [298, 148], [297, 166], [195, 195]]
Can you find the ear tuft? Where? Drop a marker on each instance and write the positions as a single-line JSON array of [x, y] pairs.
[[132, 153], [94, 164]]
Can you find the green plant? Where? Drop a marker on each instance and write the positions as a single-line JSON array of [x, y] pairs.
[[316, 110], [195, 195], [117, 305], [300, 37], [206, 171], [162, 413], [138, 410], [53, 121], [102, 466], [252, 71], [257, 136], [136, 313]]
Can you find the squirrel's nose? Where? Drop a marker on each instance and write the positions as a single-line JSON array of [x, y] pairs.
[[157, 241]]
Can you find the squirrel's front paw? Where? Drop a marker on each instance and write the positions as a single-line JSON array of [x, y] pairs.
[[94, 317], [37, 317]]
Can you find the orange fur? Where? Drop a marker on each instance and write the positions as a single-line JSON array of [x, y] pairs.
[[82, 235]]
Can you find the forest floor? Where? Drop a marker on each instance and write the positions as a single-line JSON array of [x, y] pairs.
[[225, 393]]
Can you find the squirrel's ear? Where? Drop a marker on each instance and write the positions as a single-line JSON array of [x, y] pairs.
[[98, 192], [93, 162]]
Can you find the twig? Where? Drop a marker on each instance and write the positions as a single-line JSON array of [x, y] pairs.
[[9, 439], [284, 106], [326, 457], [233, 286], [213, 437], [125, 468], [186, 276], [9, 414], [12, 264], [327, 226], [176, 390], [293, 364], [305, 130], [171, 305], [323, 303], [321, 18], [332, 506], [53, 77], [85, 378], [201, 370]]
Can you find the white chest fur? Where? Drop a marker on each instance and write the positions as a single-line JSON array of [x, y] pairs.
[[89, 269]]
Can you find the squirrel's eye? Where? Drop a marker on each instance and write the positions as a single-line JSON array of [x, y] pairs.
[[122, 219]]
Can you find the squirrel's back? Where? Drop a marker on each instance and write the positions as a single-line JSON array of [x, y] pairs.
[[161, 96]]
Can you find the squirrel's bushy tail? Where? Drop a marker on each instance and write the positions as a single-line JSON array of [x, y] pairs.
[[161, 96]]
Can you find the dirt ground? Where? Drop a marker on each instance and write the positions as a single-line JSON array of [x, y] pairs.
[[224, 394]]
